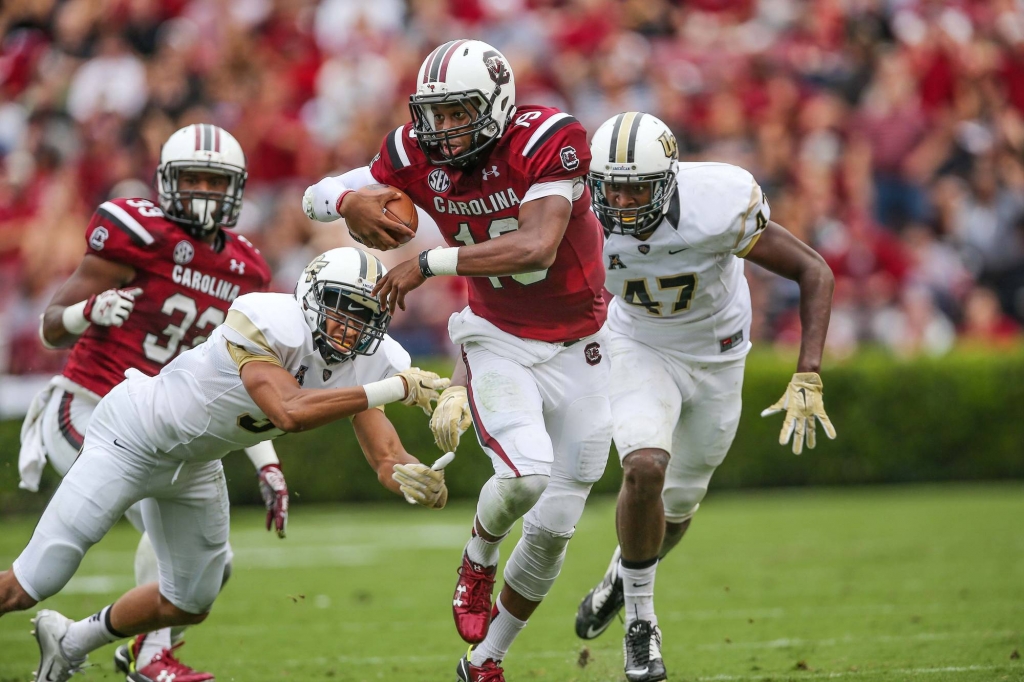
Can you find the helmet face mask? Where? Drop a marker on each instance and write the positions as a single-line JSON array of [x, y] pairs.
[[466, 76], [481, 130], [335, 293], [201, 148], [640, 218], [633, 154], [360, 330]]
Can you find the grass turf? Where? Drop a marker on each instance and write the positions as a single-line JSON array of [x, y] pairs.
[[887, 583]]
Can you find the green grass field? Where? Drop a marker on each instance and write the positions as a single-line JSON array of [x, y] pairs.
[[887, 583]]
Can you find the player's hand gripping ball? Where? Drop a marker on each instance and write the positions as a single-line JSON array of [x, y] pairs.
[[396, 211]]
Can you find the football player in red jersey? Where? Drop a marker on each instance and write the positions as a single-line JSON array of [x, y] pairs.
[[505, 185], [154, 280]]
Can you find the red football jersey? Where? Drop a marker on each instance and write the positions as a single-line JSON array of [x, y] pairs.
[[541, 145], [187, 288]]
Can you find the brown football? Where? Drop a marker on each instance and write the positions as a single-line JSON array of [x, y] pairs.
[[401, 209]]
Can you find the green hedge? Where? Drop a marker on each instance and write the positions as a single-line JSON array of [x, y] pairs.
[[957, 418]]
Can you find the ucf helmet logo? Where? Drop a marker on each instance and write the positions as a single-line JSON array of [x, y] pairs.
[[668, 143], [314, 268]]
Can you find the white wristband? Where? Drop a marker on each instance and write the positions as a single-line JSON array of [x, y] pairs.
[[383, 392], [73, 318], [262, 454], [443, 261]]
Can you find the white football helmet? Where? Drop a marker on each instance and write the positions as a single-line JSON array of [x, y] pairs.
[[633, 148], [474, 75], [209, 149], [337, 286]]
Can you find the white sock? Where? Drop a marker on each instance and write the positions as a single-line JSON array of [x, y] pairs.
[[503, 631], [89, 634], [482, 552], [154, 643], [638, 586]]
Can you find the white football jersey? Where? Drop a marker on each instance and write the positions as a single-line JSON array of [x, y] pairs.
[[683, 288], [197, 408]]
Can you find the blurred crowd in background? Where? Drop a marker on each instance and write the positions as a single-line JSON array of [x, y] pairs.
[[887, 134]]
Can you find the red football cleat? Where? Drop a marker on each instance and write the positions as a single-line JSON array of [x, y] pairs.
[[165, 668], [472, 603], [490, 671]]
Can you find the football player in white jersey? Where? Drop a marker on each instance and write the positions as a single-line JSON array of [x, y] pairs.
[[279, 363], [676, 237]]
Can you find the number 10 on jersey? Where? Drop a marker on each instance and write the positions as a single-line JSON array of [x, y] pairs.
[[498, 227]]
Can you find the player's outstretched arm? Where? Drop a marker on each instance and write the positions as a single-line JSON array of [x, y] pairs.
[[780, 252], [542, 224], [93, 294], [384, 452], [291, 408], [335, 197]]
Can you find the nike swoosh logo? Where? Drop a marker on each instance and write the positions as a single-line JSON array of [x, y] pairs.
[[593, 632], [641, 584], [356, 308], [120, 446], [672, 253]]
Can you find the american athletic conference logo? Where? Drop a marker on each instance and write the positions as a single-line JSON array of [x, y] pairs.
[[438, 181], [184, 252]]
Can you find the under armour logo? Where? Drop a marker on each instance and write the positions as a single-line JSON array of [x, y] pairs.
[[238, 266], [458, 595], [493, 173], [165, 676]]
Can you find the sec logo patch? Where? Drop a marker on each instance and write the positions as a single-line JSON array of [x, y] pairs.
[[184, 252], [438, 181]]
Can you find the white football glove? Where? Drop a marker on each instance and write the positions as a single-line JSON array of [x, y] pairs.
[[422, 388], [320, 202], [423, 485], [112, 307], [803, 404], [451, 418]]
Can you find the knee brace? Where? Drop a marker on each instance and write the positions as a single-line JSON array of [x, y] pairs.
[[681, 501], [503, 501], [536, 561]]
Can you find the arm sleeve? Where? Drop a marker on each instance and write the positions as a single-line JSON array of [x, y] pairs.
[[558, 150], [115, 234], [262, 454], [733, 210], [561, 188], [258, 329], [753, 222]]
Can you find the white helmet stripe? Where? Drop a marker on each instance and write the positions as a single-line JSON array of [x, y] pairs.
[[623, 146]]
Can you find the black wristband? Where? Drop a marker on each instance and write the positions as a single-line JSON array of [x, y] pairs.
[[425, 266]]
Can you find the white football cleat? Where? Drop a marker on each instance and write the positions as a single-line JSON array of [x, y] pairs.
[[54, 664]]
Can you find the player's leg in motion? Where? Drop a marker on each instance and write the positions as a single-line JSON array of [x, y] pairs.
[[96, 492], [64, 422], [508, 415], [578, 422], [147, 655], [194, 523], [651, 521]]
